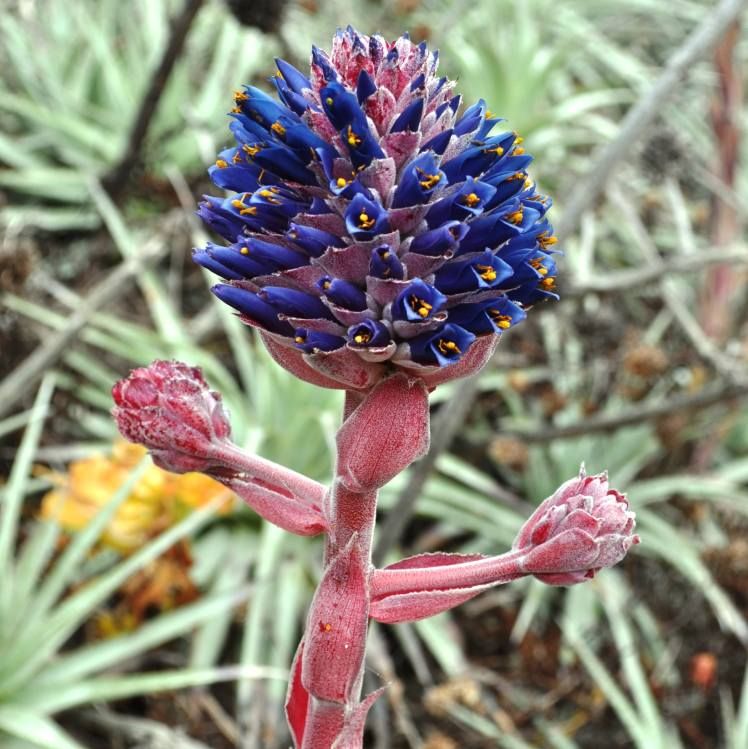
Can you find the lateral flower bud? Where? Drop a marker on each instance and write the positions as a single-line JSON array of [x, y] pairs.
[[385, 434], [583, 527], [169, 407]]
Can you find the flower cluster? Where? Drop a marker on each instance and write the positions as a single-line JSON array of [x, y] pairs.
[[376, 226]]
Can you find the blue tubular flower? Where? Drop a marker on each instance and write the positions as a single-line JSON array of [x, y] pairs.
[[249, 304], [368, 334], [385, 264], [365, 219], [440, 241], [444, 346], [310, 341], [418, 182], [467, 202], [487, 271], [366, 199], [489, 316], [417, 302], [343, 293], [311, 240], [294, 303]]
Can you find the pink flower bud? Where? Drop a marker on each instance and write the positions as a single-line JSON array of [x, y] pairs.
[[384, 434], [168, 407], [581, 528]]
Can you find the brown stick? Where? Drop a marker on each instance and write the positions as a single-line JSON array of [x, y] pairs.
[[117, 178]]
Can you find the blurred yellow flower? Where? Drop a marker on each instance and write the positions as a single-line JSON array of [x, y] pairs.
[[158, 501]]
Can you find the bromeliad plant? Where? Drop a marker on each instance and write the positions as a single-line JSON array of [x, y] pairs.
[[380, 242]]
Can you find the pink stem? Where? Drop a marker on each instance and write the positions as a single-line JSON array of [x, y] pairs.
[[349, 514], [269, 474], [498, 569]]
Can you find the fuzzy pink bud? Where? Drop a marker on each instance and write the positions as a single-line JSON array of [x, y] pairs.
[[583, 527], [384, 434], [168, 407]]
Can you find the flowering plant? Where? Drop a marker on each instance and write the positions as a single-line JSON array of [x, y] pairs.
[[380, 240]]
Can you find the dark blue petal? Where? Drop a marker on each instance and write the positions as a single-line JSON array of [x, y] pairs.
[[364, 218], [477, 159], [418, 180], [483, 272], [322, 61], [365, 86], [368, 334], [438, 144], [249, 304], [467, 201], [341, 106], [294, 303], [439, 241], [410, 117], [418, 82], [295, 102], [310, 341], [212, 211], [342, 293], [311, 240], [296, 81], [417, 302], [471, 118], [204, 258], [444, 346], [534, 291], [282, 257], [236, 257], [285, 163], [385, 263], [488, 316]]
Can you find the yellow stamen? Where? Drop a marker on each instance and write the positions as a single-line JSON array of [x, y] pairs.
[[244, 251], [329, 101], [502, 321], [362, 338], [353, 139], [299, 339], [518, 139], [251, 151], [547, 283], [221, 164], [486, 272], [448, 347], [518, 152], [515, 217], [278, 129], [471, 200], [498, 150], [429, 180], [546, 240], [537, 263], [240, 96], [365, 222], [419, 306], [341, 182], [236, 158]]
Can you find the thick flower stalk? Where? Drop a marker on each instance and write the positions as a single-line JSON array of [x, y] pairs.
[[380, 238]]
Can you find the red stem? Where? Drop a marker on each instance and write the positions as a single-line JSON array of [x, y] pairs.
[[348, 513]]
